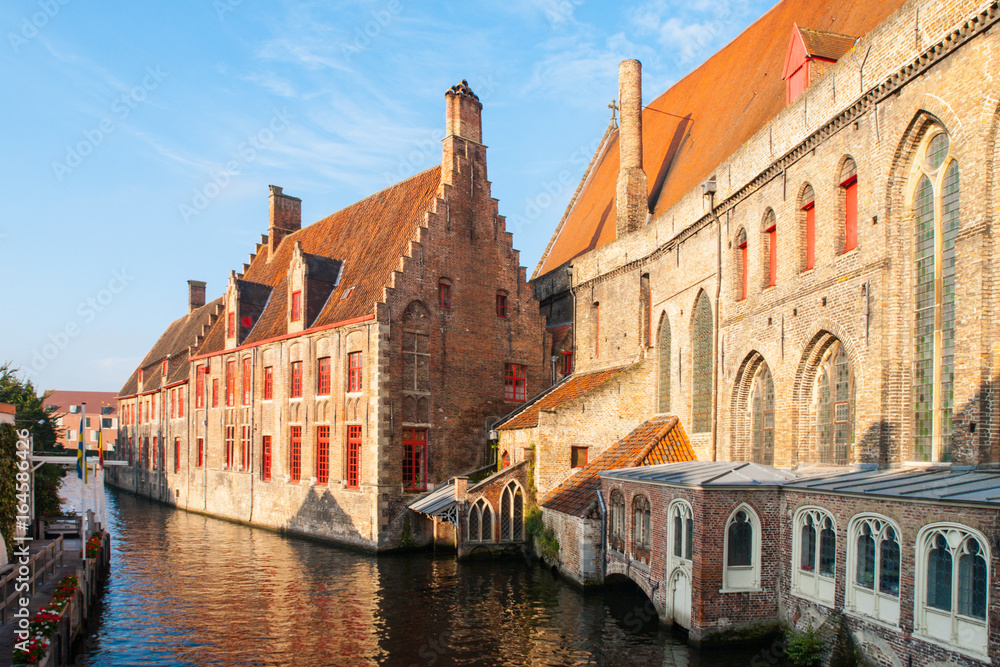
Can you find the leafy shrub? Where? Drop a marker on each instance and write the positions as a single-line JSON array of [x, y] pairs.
[[805, 647]]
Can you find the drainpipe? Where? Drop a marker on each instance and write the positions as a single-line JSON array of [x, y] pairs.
[[604, 514], [708, 190]]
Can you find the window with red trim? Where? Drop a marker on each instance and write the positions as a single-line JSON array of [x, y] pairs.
[[180, 402], [849, 184], [322, 455], [323, 376], [597, 329], [247, 379], [444, 295], [741, 248], [199, 387], [201, 452], [172, 395], [501, 305], [771, 238], [515, 382], [296, 305], [265, 458], [215, 392], [505, 462], [177, 454], [296, 379], [578, 457], [353, 457], [156, 453], [808, 207], [268, 383], [245, 448], [231, 325], [295, 454], [230, 446], [414, 459], [231, 383], [164, 369], [153, 408], [354, 371], [567, 363], [131, 451]]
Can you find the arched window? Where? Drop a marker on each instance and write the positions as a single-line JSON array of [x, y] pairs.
[[481, 522], [952, 586], [936, 221], [701, 351], [873, 567], [663, 370], [807, 208], [814, 554], [741, 264], [646, 302], [505, 462], [640, 529], [512, 514], [680, 528], [762, 416], [742, 551], [849, 202], [769, 250], [616, 529], [833, 400]]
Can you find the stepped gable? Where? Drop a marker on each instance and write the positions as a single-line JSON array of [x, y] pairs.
[[692, 128], [572, 387], [660, 440], [369, 237], [176, 342]]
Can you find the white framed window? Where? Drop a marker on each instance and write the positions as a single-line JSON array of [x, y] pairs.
[[814, 554], [640, 529], [873, 555], [680, 532], [951, 595], [512, 513], [741, 564], [481, 522], [616, 529]]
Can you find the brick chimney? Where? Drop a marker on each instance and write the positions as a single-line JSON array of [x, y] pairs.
[[632, 193], [463, 117], [196, 295], [286, 218]]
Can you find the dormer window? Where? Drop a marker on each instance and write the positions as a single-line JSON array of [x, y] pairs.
[[296, 305], [810, 54], [231, 325]]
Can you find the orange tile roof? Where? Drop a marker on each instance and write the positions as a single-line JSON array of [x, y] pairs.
[[823, 44], [61, 399], [660, 440], [573, 387], [370, 236], [702, 119]]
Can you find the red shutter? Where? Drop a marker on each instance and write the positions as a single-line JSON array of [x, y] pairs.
[[850, 214], [810, 237]]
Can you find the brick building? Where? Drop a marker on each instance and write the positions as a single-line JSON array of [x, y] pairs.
[[351, 365], [102, 415]]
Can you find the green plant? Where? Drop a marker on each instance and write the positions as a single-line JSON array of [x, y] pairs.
[[535, 526], [805, 647], [407, 532]]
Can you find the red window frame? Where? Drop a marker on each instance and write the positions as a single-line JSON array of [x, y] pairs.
[[444, 295], [414, 459], [850, 187], [295, 454], [268, 383], [247, 380], [502, 305], [230, 325], [215, 392], [164, 367], [744, 270], [201, 452], [810, 210], [172, 396], [180, 402], [505, 461], [199, 387], [597, 330], [131, 450], [177, 455], [772, 249], [578, 453], [296, 379], [265, 458], [567, 363], [296, 305], [323, 376], [322, 455], [153, 408], [230, 446], [231, 383], [353, 457], [245, 447], [354, 363], [515, 383]]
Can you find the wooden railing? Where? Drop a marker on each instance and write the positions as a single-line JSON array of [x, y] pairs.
[[41, 566]]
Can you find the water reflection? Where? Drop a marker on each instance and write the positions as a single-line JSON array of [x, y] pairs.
[[191, 590]]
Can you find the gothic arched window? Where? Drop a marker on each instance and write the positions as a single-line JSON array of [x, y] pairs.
[[762, 416], [833, 396], [701, 373], [663, 369]]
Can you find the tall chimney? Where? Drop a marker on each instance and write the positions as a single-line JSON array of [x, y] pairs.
[[196, 295], [286, 218], [632, 192], [463, 117]]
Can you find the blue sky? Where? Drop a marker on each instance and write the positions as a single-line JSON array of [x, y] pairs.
[[141, 136]]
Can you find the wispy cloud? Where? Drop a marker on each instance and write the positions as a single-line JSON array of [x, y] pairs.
[[271, 82]]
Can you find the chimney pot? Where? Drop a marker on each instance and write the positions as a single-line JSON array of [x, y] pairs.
[[463, 116], [196, 294]]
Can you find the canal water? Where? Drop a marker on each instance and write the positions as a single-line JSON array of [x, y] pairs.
[[186, 589]]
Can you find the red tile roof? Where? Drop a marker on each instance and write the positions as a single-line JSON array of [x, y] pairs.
[[571, 388], [660, 440], [7, 408], [370, 237], [95, 400], [823, 44], [702, 119]]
